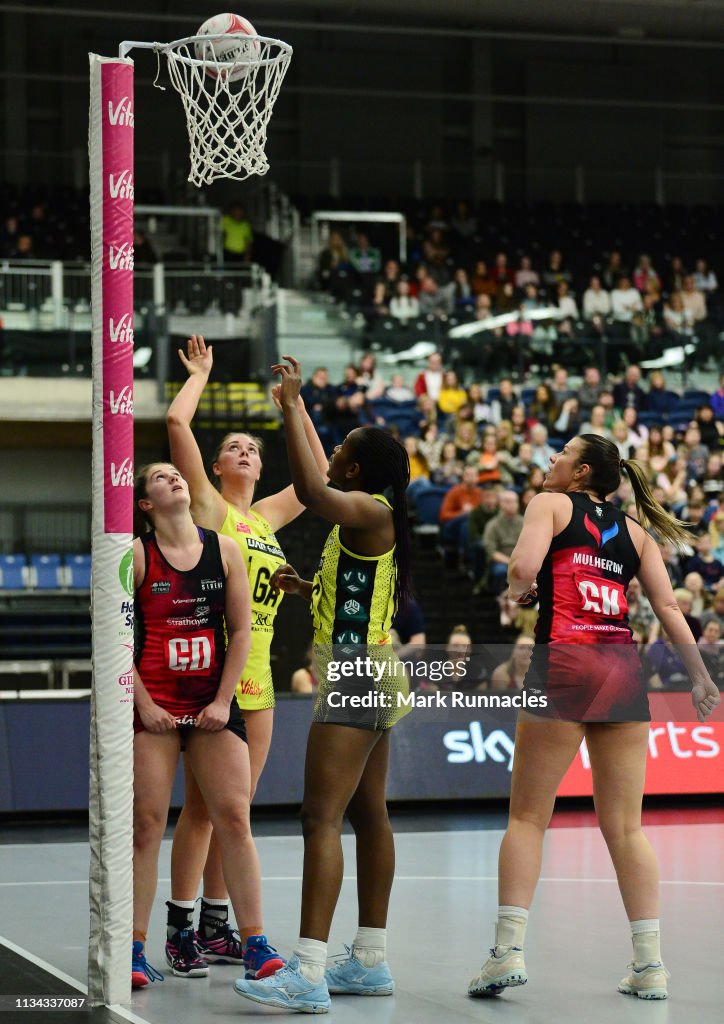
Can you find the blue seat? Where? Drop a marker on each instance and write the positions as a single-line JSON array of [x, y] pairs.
[[684, 412], [13, 572], [493, 394], [386, 407], [696, 397], [78, 571], [646, 418], [45, 571], [405, 423], [428, 504]]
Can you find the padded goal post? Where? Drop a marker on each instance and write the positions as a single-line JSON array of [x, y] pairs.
[[111, 739]]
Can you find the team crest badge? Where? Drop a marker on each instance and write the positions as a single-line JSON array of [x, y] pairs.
[[354, 581]]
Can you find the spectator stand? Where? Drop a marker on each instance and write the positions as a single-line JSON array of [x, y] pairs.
[[45, 629]]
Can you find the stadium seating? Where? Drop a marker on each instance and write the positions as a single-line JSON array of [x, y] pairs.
[[78, 572], [13, 572], [44, 573]]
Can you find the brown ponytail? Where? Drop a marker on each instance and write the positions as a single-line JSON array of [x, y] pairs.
[[606, 465], [653, 515]]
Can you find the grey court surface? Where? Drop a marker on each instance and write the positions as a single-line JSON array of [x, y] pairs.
[[443, 904]]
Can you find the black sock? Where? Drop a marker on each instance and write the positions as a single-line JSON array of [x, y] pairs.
[[178, 918], [213, 916]]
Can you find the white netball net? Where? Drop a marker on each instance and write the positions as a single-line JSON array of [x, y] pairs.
[[228, 104]]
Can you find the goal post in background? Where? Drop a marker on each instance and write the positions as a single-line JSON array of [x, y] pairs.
[[111, 736]]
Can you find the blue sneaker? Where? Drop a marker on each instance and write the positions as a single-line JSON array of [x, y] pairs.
[[141, 970], [260, 959], [350, 977], [288, 989]]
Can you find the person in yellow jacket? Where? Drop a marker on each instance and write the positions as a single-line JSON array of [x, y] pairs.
[[231, 511]]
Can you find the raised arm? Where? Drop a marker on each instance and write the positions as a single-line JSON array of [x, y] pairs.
[[354, 509], [284, 506], [207, 506], [657, 585]]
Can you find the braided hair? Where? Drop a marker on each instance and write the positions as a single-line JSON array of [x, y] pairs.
[[384, 465]]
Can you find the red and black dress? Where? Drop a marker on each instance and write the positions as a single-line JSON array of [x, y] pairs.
[[180, 642], [585, 661]]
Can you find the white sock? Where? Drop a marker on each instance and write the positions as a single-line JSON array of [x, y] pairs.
[[186, 904], [370, 946], [215, 903], [312, 958], [510, 927], [646, 939]]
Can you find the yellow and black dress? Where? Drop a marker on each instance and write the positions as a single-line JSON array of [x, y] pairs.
[[362, 683], [262, 556]]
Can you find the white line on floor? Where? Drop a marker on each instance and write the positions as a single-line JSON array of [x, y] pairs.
[[398, 878], [120, 1011]]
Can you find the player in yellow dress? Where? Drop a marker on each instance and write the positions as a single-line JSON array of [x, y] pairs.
[[363, 577], [231, 511]]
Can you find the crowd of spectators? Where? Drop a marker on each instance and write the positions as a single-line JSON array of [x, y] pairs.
[[453, 274], [479, 453]]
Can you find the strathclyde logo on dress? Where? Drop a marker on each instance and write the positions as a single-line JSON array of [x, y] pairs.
[[122, 475], [122, 403], [120, 114], [121, 331], [243, 528], [120, 257], [120, 185]]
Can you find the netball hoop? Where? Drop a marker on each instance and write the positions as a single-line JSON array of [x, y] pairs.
[[228, 104]]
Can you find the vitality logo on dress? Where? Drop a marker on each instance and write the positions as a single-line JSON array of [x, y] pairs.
[[601, 537]]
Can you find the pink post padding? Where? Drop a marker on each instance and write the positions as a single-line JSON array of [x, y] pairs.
[[117, 284]]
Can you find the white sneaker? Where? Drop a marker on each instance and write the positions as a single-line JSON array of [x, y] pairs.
[[505, 968], [646, 982]]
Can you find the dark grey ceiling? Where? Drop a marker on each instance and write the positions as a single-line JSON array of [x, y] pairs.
[[703, 19], [628, 19]]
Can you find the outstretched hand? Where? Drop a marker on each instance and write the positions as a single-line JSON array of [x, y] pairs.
[[200, 359], [291, 381], [276, 395]]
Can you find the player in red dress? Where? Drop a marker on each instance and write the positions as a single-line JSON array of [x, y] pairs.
[[577, 552], [190, 584]]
